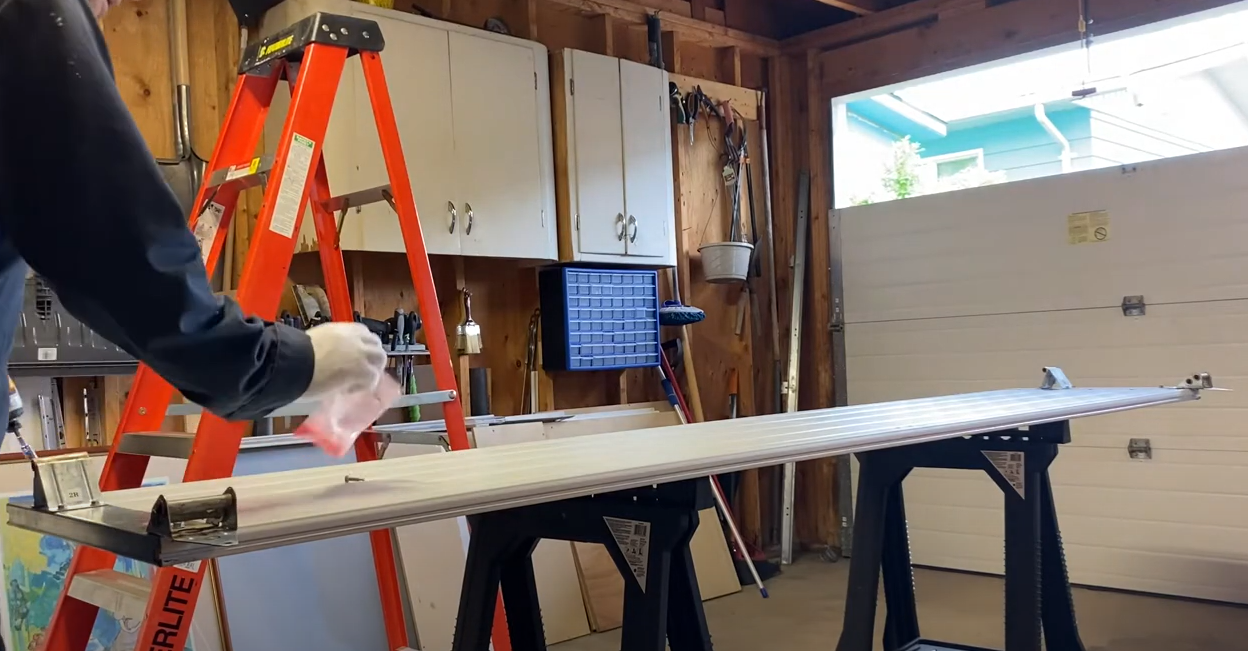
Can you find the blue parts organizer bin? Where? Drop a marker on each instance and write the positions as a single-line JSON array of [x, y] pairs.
[[599, 319]]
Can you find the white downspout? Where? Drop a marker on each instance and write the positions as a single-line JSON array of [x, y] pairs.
[[1043, 119]]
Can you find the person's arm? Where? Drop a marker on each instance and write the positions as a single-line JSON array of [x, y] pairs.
[[85, 205]]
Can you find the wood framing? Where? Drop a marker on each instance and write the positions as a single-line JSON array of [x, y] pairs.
[[860, 7], [933, 36], [692, 30]]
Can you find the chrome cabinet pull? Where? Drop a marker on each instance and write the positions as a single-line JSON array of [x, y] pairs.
[[450, 207], [468, 226], [620, 227], [632, 221]]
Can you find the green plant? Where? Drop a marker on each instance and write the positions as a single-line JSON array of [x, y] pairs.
[[901, 174]]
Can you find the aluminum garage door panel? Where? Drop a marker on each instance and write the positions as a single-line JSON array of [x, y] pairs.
[[952, 293], [1178, 232]]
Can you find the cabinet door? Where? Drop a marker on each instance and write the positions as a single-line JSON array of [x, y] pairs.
[[648, 184], [418, 74], [498, 159], [598, 153]]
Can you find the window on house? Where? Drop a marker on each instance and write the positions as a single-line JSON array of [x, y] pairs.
[[951, 165]]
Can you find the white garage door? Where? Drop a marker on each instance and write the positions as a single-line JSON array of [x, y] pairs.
[[979, 289]]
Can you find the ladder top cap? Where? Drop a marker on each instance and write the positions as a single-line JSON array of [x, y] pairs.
[[355, 34]]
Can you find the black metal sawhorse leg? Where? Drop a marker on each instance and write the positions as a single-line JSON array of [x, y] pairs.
[[1037, 588], [646, 532]]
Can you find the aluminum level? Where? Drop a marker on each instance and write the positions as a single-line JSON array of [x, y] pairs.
[[286, 508]]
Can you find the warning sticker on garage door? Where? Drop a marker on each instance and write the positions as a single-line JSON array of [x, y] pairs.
[[633, 539], [1087, 227], [1010, 466]]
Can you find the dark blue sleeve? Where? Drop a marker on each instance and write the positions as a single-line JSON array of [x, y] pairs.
[[84, 203]]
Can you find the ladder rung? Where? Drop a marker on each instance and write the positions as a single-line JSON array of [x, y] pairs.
[[120, 594], [360, 198], [172, 445], [245, 175]]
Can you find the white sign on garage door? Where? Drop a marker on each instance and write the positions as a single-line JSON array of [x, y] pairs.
[[979, 289]]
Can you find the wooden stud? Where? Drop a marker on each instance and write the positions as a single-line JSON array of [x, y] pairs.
[[73, 392], [692, 30], [818, 509], [560, 118], [860, 7], [603, 36], [730, 65], [671, 52], [113, 402], [530, 13]]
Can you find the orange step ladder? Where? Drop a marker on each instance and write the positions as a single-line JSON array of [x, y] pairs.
[[311, 55]]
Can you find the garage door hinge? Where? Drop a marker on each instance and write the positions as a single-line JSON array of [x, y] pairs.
[[1133, 305], [838, 317]]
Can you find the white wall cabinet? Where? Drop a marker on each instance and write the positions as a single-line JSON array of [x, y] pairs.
[[613, 146], [473, 111]]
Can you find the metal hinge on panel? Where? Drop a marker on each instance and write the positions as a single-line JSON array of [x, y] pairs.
[[205, 520], [535, 81], [576, 221], [1133, 305], [572, 86], [1055, 378], [1140, 449], [838, 317]]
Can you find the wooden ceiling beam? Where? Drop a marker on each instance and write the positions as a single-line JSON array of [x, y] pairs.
[[882, 23], [959, 36], [860, 7], [691, 30]]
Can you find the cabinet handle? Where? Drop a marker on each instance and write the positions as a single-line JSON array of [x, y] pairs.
[[450, 207], [632, 221], [620, 227], [468, 226]]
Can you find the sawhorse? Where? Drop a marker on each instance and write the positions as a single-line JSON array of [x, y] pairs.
[[1037, 589], [646, 531]]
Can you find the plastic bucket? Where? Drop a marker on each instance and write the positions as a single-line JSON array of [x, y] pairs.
[[726, 262]]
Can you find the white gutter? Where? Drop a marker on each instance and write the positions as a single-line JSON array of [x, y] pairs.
[[1043, 119]]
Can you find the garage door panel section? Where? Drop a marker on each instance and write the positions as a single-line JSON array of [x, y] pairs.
[[979, 290], [1006, 249]]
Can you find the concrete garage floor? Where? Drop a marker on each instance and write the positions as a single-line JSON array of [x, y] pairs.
[[807, 603]]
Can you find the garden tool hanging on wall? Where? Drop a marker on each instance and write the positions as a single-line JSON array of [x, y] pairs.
[[185, 171]]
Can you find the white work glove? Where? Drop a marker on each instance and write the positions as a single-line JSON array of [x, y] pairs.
[[349, 359]]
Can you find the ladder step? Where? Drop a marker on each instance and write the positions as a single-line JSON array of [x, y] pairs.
[[361, 198], [120, 594], [172, 445], [245, 175]]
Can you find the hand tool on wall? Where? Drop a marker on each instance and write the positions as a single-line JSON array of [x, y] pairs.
[[399, 341], [691, 378], [696, 102], [528, 397], [682, 412], [654, 40], [790, 387], [771, 257], [184, 172], [468, 334]]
